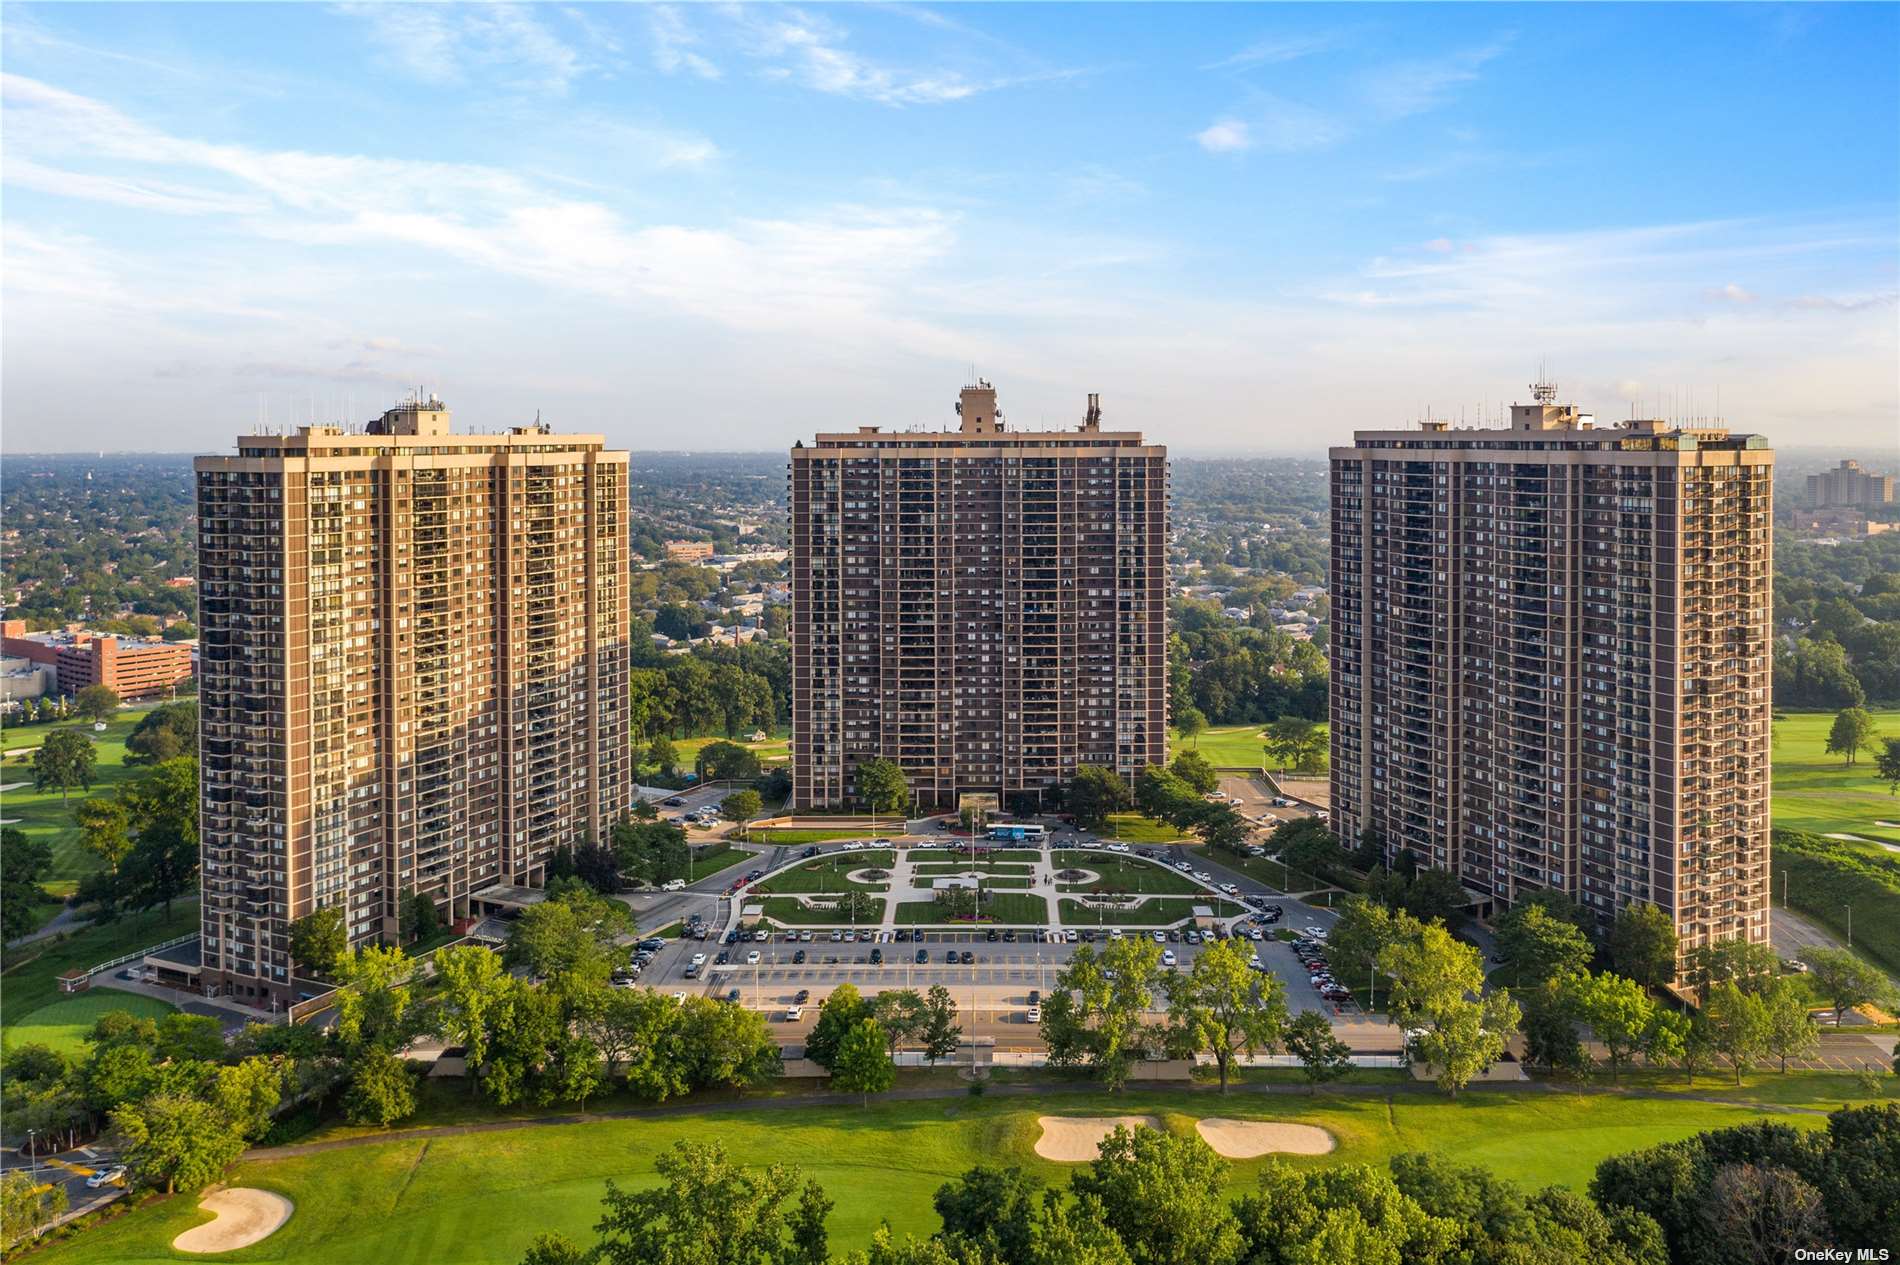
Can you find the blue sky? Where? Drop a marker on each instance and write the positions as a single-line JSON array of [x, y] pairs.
[[710, 226]]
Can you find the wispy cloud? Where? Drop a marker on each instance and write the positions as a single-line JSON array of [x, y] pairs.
[[1277, 49], [674, 43], [446, 44], [834, 268], [1274, 124], [1400, 89], [1730, 293]]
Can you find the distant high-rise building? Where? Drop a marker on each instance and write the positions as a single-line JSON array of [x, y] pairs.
[[1551, 659], [1847, 485], [986, 607], [414, 674]]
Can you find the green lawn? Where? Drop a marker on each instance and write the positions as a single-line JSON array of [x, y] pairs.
[[827, 874], [1135, 828], [1003, 909], [65, 1023], [934, 868], [1818, 793], [44, 814], [1153, 913], [716, 857], [30, 979], [1119, 874], [479, 1199], [790, 838], [777, 747], [787, 911], [1227, 746]]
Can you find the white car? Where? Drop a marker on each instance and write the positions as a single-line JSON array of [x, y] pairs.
[[1185, 867], [1230, 889], [1167, 957], [106, 1176], [1203, 876], [752, 958], [794, 1014], [678, 998], [1118, 847], [1069, 935], [673, 885], [699, 959], [1035, 1014], [1161, 937]]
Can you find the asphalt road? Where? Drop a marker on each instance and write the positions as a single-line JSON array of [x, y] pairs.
[[69, 1169]]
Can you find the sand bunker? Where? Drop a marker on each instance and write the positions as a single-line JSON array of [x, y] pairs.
[[1072, 1139], [1245, 1139], [244, 1216]]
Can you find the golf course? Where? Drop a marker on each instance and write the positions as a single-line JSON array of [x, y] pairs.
[[480, 1198]]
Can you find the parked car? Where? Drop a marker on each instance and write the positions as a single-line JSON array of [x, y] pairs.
[[106, 1176], [673, 801], [969, 958], [877, 957], [1035, 1014], [798, 958], [1167, 957], [752, 958], [673, 885], [794, 1014], [950, 956], [732, 994], [923, 956], [699, 959]]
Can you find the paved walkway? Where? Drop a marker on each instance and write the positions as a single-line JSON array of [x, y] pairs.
[[67, 919]]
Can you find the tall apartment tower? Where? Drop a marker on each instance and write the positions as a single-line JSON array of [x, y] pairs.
[[986, 607], [1849, 485], [413, 678], [1551, 660]]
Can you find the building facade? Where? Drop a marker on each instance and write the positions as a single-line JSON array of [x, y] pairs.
[[133, 667], [413, 678], [1850, 486], [986, 607], [1550, 659]]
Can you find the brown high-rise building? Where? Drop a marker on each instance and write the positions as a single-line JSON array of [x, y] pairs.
[[413, 673], [1550, 660], [1849, 485], [986, 607]]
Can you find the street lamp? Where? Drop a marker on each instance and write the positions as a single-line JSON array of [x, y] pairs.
[[1850, 925]]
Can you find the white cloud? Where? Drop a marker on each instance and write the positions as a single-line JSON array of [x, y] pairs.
[[1225, 136], [1400, 89], [1277, 49], [674, 42], [1730, 293], [445, 44]]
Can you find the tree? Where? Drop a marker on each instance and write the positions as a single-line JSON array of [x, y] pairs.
[[1844, 978], [993, 1211], [1192, 768], [1750, 966], [742, 806], [1620, 1014], [942, 1033], [1738, 1026], [1792, 1032], [727, 762], [572, 939], [247, 1094], [863, 1064], [419, 918], [902, 1013], [382, 1089], [164, 733], [1540, 947], [1095, 1017], [372, 998], [1219, 826], [642, 1029], [1643, 944], [1297, 743], [1165, 797], [1094, 794], [1190, 723], [152, 827], [1308, 845], [1163, 1196], [473, 984], [97, 703], [1887, 764], [726, 1046], [663, 755], [23, 862], [1362, 932], [23, 1209], [1464, 1038], [704, 1209], [1853, 729], [1323, 1056], [837, 1016], [175, 1141], [1221, 1006], [1551, 1013], [64, 760], [1761, 1214], [882, 787], [318, 939]]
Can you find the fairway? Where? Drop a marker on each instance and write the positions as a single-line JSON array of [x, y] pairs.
[[479, 1199], [1818, 793], [44, 814], [1228, 746], [32, 973], [64, 1024]]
